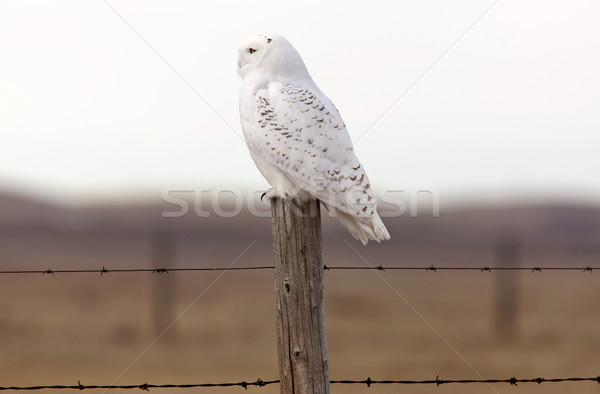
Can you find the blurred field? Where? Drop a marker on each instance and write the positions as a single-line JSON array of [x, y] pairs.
[[63, 328]]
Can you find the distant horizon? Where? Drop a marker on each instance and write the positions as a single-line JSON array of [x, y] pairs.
[[449, 198]]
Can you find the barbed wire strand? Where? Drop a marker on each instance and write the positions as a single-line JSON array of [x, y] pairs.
[[261, 383], [104, 270], [144, 386], [467, 268], [438, 381], [431, 268]]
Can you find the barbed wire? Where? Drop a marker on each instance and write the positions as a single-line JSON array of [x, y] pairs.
[[105, 270], [145, 386], [466, 268], [261, 383], [432, 268], [438, 381]]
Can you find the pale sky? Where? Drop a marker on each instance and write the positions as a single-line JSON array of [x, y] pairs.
[[512, 109]]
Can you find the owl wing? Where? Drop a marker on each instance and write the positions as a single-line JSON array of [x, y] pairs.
[[299, 134]]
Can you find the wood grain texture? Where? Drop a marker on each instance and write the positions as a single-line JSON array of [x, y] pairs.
[[301, 342]]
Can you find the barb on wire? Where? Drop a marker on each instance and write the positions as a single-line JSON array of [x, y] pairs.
[[261, 383], [432, 268]]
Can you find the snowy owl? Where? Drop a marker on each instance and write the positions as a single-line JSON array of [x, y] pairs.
[[298, 139]]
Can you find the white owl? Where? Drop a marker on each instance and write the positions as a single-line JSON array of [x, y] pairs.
[[298, 139]]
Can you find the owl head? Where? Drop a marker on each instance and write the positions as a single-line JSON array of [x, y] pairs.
[[271, 56]]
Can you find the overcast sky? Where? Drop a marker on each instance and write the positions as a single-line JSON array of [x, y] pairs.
[[87, 108]]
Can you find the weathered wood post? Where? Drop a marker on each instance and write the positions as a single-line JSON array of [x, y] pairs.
[[301, 342]]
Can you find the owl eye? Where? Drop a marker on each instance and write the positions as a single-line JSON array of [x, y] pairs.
[[251, 50]]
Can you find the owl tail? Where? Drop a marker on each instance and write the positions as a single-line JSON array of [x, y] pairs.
[[364, 228]]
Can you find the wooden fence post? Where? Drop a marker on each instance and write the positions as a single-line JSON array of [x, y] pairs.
[[301, 342]]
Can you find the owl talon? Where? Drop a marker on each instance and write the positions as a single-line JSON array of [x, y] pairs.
[[269, 194]]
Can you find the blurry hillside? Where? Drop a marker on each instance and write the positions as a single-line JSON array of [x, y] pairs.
[[33, 233]]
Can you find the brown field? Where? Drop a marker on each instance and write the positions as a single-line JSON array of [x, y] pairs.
[[57, 329]]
